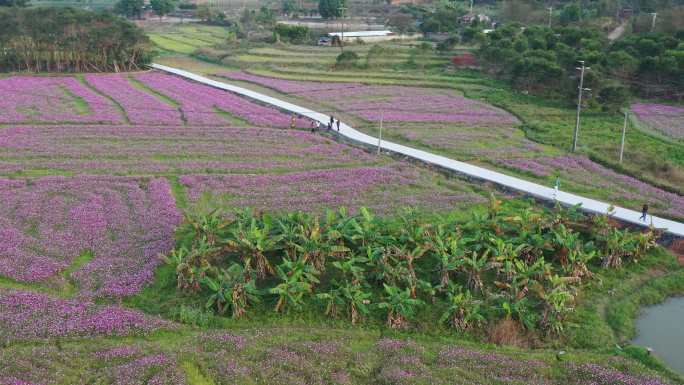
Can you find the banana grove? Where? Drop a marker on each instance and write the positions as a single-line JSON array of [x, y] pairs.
[[525, 265]]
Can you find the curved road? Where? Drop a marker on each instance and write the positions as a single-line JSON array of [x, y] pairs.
[[536, 190]]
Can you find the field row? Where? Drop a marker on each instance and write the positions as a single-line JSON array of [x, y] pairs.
[[275, 357], [143, 98]]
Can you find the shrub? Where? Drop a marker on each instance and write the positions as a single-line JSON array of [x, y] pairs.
[[347, 59], [292, 33]]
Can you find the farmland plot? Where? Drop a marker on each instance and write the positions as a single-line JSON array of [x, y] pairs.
[[443, 121]]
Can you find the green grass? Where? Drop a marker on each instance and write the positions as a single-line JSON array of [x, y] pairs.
[[171, 45], [194, 375]]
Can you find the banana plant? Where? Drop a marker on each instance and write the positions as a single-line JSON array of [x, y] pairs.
[[565, 242], [253, 241], [399, 305], [557, 303], [231, 290], [349, 297], [353, 267], [464, 312], [211, 227], [579, 263], [521, 310], [363, 229], [504, 255], [297, 280], [474, 266], [614, 246], [449, 252], [405, 270]]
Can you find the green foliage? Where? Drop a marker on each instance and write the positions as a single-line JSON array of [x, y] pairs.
[[442, 18], [162, 7], [330, 9], [347, 59], [571, 13], [520, 264], [129, 8], [544, 60], [67, 39], [14, 3], [296, 34]]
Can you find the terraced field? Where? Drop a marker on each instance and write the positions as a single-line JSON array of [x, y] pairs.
[[94, 173], [443, 120]]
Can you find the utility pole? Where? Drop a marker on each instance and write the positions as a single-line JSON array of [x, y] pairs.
[[579, 104], [654, 14], [622, 143], [550, 13], [342, 9], [382, 115]]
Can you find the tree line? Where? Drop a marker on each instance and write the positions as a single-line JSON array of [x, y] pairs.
[[544, 60], [69, 40]]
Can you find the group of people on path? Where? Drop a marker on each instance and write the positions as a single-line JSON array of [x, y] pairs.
[[315, 124]]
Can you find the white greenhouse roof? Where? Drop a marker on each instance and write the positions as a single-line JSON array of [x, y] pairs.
[[361, 33]]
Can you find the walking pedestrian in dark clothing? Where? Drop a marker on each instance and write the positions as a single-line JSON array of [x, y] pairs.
[[644, 212], [313, 126], [332, 121], [338, 124]]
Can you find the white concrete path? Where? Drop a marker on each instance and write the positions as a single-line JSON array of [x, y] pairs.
[[513, 183]]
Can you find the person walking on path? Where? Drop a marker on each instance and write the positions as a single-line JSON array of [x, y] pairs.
[[338, 125], [556, 186], [313, 126], [332, 121], [293, 122], [644, 212]]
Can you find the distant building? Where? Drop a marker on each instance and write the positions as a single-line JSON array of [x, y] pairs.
[[469, 18], [402, 2], [625, 13], [367, 36]]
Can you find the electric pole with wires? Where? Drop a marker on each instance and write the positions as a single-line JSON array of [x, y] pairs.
[[579, 103], [342, 10]]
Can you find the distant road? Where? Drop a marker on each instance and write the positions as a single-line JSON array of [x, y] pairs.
[[533, 189]]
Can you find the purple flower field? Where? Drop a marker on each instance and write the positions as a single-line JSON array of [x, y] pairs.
[[395, 103], [583, 173], [48, 222], [152, 149], [30, 316], [141, 107], [385, 189], [52, 100], [198, 103], [95, 172], [669, 120]]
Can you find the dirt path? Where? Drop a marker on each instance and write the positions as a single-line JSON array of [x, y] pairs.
[[617, 32]]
